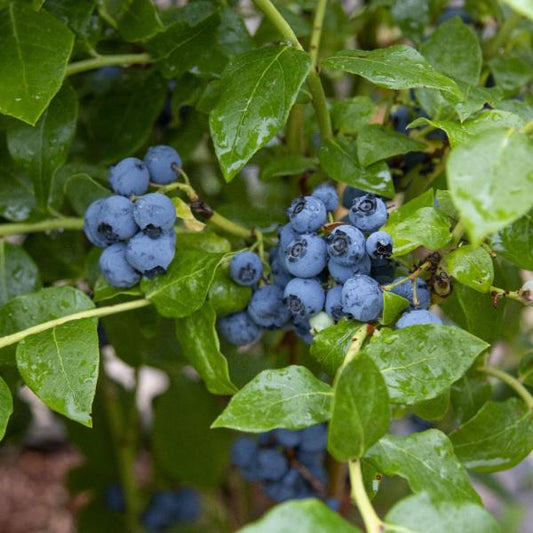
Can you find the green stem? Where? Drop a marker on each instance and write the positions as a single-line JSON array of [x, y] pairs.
[[357, 342], [125, 452], [122, 60], [276, 18], [373, 523], [294, 130], [518, 295], [457, 234], [503, 35], [65, 223], [511, 381], [229, 226], [91, 313], [424, 266], [318, 22]]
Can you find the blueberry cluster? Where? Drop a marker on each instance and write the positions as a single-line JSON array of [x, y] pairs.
[[288, 464], [135, 229]]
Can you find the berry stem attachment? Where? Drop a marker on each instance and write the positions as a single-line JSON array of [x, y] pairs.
[[426, 265], [91, 313], [511, 382], [373, 523], [522, 296], [64, 223], [121, 60]]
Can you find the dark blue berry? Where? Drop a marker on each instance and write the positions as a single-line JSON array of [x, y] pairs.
[[418, 316], [271, 464], [350, 194], [129, 177], [405, 289], [115, 268], [334, 303], [114, 498], [91, 220], [382, 271], [266, 307], [162, 162], [379, 245], [151, 256], [115, 220], [243, 452], [280, 275], [314, 438], [346, 245], [362, 298], [239, 328], [328, 194], [307, 214], [154, 213], [246, 268], [302, 328], [304, 297], [342, 273], [287, 437], [368, 213], [306, 256]]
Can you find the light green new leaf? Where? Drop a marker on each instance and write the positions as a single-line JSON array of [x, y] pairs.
[[395, 67], [34, 51], [524, 7], [360, 412], [393, 305], [472, 266], [61, 366], [199, 341], [491, 180], [290, 397], [6, 407], [258, 89], [420, 362]]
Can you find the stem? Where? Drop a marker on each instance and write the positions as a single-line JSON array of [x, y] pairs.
[[519, 295], [357, 342], [503, 35], [276, 18], [317, 30], [457, 234], [229, 226], [424, 266], [512, 382], [122, 60], [186, 188], [65, 223], [91, 313], [373, 523], [295, 129]]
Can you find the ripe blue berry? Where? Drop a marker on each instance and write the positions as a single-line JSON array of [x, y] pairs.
[[246, 268], [91, 220], [286, 234], [114, 498], [286, 437], [239, 328], [304, 297], [151, 256], [266, 307], [405, 289], [306, 256], [116, 269], [368, 213], [280, 275], [346, 245], [307, 214], [342, 273], [418, 316], [271, 464], [162, 162], [349, 195], [243, 452], [334, 303], [129, 177], [115, 220], [314, 438], [328, 194], [362, 298], [379, 245], [302, 328], [154, 214]]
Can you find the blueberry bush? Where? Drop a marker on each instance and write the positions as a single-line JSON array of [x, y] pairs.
[[313, 217]]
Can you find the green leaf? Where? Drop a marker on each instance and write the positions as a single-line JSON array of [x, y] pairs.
[[525, 369], [205, 240], [103, 291], [178, 47], [420, 514], [435, 409], [258, 89], [185, 449], [305, 516], [393, 305], [428, 463], [225, 296], [330, 344], [515, 242], [290, 165], [524, 7], [34, 51], [183, 289], [136, 20], [41, 149], [290, 397], [350, 115], [82, 190], [17, 200], [61, 366], [6, 407], [468, 395], [395, 67], [360, 412], [375, 143], [18, 273], [490, 180], [511, 72], [472, 266], [78, 16], [454, 49], [420, 362], [199, 341], [498, 437], [338, 158]]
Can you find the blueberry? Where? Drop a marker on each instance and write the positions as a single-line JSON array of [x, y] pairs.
[[129, 177], [114, 498], [368, 213], [155, 519], [362, 298], [328, 194], [162, 162], [418, 316], [346, 245], [286, 234], [400, 119], [266, 307], [289, 487], [307, 214], [151, 256], [116, 269], [350, 194], [115, 220], [91, 220], [280, 275], [304, 297], [382, 270], [342, 273], [243, 452], [272, 464], [379, 245], [239, 328], [302, 328], [405, 289], [287, 438], [306, 256], [314, 438], [246, 268], [334, 303], [186, 505], [154, 213]]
